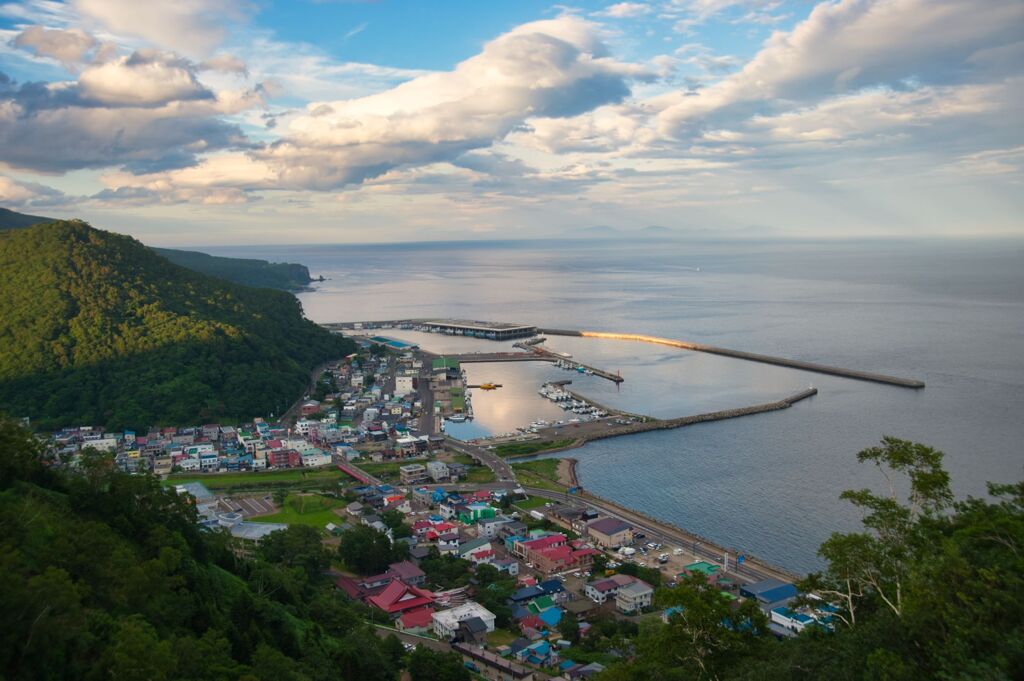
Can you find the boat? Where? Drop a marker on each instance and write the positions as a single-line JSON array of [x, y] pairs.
[[488, 386], [457, 418]]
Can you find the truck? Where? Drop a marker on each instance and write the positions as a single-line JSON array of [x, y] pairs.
[[536, 515]]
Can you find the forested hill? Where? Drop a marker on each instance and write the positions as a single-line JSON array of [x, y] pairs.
[[108, 576], [248, 271], [97, 328], [286, 276]]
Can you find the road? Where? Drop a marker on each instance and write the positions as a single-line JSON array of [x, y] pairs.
[[292, 414], [502, 470]]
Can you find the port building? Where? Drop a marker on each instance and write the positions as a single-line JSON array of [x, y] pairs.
[[490, 330]]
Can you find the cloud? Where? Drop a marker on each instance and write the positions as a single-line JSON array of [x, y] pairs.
[[146, 78], [225, 63], [553, 68], [68, 47], [146, 111], [27, 195], [191, 27], [625, 10], [852, 44], [356, 31]]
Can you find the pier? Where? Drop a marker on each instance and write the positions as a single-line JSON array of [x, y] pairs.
[[538, 355], [749, 356]]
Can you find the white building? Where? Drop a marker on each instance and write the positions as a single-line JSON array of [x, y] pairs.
[[438, 470], [446, 622], [634, 597], [314, 459], [403, 385]]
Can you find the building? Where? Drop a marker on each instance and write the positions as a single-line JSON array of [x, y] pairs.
[[413, 474], [438, 471], [769, 593], [404, 385], [490, 330], [398, 597], [610, 532], [446, 622], [788, 619], [634, 597], [600, 590], [408, 573]]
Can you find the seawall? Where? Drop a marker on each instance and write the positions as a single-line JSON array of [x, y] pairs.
[[749, 356]]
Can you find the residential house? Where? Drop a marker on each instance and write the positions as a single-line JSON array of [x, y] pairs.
[[634, 597], [446, 622]]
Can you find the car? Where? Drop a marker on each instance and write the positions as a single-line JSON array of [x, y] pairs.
[[677, 552], [639, 535]]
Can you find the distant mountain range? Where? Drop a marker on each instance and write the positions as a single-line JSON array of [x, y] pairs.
[[96, 328], [246, 271], [606, 232]]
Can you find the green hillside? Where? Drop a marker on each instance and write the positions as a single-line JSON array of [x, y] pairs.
[[97, 328], [108, 576], [286, 276], [248, 271]]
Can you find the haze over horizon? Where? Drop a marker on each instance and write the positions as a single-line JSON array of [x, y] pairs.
[[229, 122]]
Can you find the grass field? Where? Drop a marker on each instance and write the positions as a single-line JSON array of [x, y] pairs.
[[527, 448], [384, 471], [542, 473], [480, 474], [306, 509], [227, 481], [531, 503]]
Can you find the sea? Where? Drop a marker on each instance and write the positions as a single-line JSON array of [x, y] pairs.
[[950, 313]]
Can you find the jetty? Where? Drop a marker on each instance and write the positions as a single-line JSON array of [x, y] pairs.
[[537, 355], [749, 356]]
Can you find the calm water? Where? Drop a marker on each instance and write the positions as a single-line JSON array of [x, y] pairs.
[[950, 314]]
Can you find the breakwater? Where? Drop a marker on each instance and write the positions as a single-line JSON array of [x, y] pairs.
[[749, 356]]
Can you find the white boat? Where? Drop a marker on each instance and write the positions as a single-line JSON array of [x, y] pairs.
[[457, 418]]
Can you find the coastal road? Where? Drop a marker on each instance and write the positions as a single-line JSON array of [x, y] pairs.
[[666, 534], [502, 470]]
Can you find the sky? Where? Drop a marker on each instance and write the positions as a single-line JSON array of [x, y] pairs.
[[221, 122]]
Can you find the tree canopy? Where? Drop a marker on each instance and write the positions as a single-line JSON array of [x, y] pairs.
[[931, 588], [107, 575]]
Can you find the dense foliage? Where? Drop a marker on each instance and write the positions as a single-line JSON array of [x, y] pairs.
[[286, 276], [107, 576], [369, 552], [930, 589], [96, 328]]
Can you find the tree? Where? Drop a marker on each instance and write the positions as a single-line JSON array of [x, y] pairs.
[[426, 664], [368, 551], [569, 628], [874, 563]]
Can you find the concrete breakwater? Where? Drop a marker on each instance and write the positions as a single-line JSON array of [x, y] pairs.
[[749, 356]]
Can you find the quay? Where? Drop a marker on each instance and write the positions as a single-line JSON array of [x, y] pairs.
[[536, 356], [740, 354]]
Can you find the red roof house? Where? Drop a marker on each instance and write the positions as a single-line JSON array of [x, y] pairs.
[[399, 597]]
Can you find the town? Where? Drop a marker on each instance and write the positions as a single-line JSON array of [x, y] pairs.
[[524, 578]]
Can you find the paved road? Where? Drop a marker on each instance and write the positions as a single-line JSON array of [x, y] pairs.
[[502, 470], [666, 535], [292, 414], [384, 632]]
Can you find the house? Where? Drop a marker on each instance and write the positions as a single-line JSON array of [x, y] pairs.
[[398, 597], [521, 547], [474, 546], [407, 572], [488, 527], [789, 619], [600, 590], [472, 630], [634, 597], [417, 621], [508, 565], [769, 593], [438, 471], [413, 474], [540, 653], [446, 622], [309, 407], [610, 532]]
